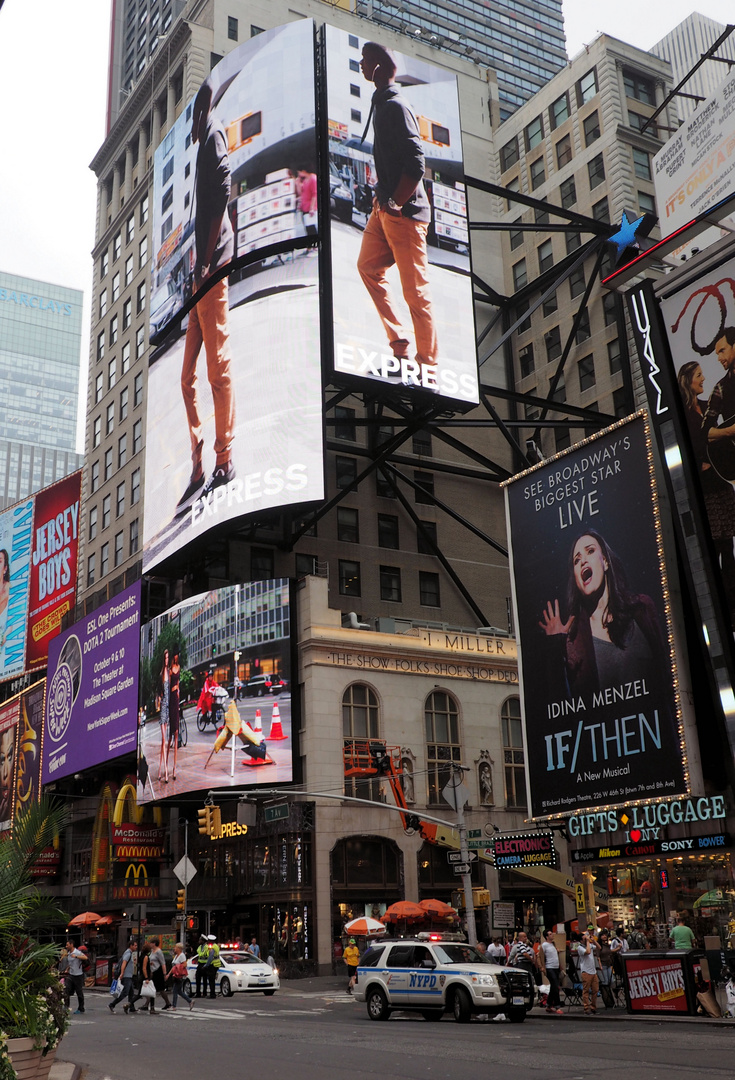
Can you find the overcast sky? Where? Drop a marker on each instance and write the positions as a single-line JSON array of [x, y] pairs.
[[53, 68]]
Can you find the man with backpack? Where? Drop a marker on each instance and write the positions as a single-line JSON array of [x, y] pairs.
[[124, 973]]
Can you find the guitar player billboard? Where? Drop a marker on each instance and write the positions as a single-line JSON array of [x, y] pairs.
[[700, 325]]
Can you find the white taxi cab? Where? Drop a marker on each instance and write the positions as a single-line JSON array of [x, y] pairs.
[[240, 971], [432, 975]]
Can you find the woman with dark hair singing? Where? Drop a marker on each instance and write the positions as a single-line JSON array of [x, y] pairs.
[[611, 635]]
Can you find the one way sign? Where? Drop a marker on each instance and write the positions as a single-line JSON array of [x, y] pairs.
[[456, 856]]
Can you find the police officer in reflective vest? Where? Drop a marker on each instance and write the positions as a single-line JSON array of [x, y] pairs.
[[208, 960]]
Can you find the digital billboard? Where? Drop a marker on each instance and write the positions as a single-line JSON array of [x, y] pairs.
[[21, 740], [234, 421], [9, 713], [92, 690], [16, 539], [400, 251], [53, 580], [601, 711], [217, 704]]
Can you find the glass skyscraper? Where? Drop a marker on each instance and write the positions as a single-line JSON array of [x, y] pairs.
[[40, 340], [522, 40]]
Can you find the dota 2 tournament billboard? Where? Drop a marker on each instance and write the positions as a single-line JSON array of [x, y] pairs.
[[600, 705], [234, 422], [400, 251]]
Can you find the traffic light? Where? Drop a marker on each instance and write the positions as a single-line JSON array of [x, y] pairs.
[[215, 828], [192, 923], [205, 821], [180, 900]]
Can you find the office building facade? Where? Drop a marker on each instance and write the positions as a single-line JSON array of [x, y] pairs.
[[683, 48]]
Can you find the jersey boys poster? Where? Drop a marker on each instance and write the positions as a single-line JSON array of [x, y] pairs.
[[601, 715]]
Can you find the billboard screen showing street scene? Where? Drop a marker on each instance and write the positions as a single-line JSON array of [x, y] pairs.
[[53, 581], [216, 694], [234, 420], [16, 541], [601, 711], [92, 692], [400, 253]]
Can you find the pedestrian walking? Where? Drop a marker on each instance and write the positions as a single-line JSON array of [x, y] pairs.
[[158, 972], [587, 952], [178, 974], [606, 970], [351, 957], [125, 977], [144, 975], [548, 960], [522, 954], [75, 975]]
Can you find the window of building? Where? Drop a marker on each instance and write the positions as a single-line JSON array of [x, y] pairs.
[[128, 269], [130, 229], [360, 721], [421, 442], [642, 164], [646, 203], [586, 373], [113, 329], [110, 418], [383, 486], [596, 171], [255, 30], [540, 216], [639, 87], [134, 537], [545, 256], [520, 275], [512, 185], [576, 282], [99, 384], [441, 718], [638, 122], [530, 411], [426, 538], [601, 211], [349, 578], [91, 560], [525, 359], [591, 125], [231, 28], [388, 531], [103, 303], [141, 298], [549, 305], [92, 529], [119, 547], [120, 500], [115, 286], [621, 406], [111, 373], [537, 173], [101, 345], [144, 210], [167, 199], [95, 477], [135, 487], [356, 116], [123, 403], [390, 583], [138, 390], [516, 238], [104, 263], [116, 247], [261, 564], [552, 341], [354, 90], [424, 490], [106, 512], [122, 451], [96, 431], [609, 309], [305, 565], [559, 111], [509, 154], [533, 133], [568, 193], [345, 471], [104, 559], [143, 252], [513, 756], [125, 358], [520, 309], [354, 65], [127, 313], [344, 424], [429, 589], [614, 356], [587, 87], [137, 436], [563, 151], [348, 525], [108, 463], [139, 342]]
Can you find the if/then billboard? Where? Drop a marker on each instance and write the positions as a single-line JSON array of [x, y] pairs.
[[216, 692], [92, 688], [602, 719], [400, 251], [234, 421]]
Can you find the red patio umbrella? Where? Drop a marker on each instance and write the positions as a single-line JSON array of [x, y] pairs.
[[437, 909], [404, 911], [108, 920], [87, 918]]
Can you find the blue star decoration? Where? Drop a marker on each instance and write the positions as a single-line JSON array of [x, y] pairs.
[[630, 233]]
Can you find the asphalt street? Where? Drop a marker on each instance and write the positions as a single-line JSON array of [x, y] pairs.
[[322, 1034]]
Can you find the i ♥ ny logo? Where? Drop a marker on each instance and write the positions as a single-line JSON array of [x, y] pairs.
[[635, 835]]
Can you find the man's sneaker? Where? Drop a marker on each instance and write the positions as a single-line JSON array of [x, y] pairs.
[[194, 484], [221, 476]]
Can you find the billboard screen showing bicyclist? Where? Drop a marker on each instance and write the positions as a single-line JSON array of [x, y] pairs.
[[216, 702]]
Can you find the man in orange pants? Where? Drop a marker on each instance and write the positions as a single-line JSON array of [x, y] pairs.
[[396, 229]]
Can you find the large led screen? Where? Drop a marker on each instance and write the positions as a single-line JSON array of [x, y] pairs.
[[401, 285], [216, 692], [598, 674], [92, 691], [16, 541], [234, 419], [53, 583], [21, 740], [9, 713]]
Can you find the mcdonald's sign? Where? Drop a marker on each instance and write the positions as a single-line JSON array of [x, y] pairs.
[[136, 884], [137, 872]]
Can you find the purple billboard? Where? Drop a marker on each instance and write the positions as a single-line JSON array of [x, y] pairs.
[[92, 692]]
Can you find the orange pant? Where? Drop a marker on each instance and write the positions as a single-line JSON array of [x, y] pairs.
[[390, 239], [208, 325]]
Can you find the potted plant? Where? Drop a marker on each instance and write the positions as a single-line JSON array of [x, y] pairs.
[[33, 1016]]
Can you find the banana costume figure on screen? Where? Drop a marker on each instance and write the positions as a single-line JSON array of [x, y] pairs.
[[253, 744]]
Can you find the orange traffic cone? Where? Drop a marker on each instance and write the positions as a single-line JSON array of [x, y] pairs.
[[257, 728], [254, 763], [276, 734]]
